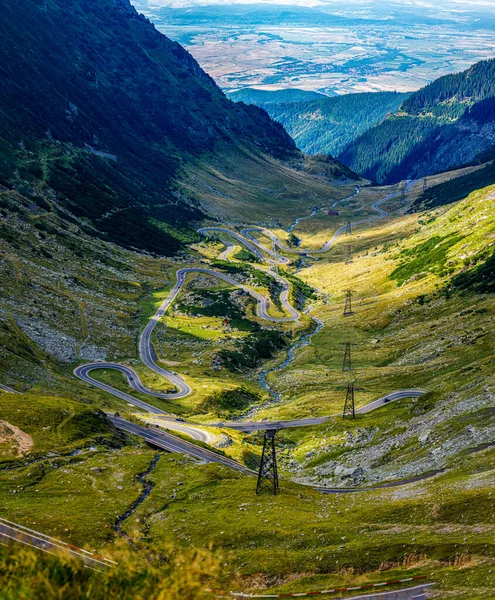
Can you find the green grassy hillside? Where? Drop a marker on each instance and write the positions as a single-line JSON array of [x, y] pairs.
[[412, 328], [455, 189], [84, 240], [419, 324]]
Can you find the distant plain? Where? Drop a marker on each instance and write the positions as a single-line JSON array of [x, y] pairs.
[[329, 48]]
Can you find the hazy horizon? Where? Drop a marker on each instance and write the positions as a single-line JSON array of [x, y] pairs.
[[463, 5]]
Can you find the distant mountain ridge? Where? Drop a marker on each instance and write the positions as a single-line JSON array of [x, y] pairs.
[[449, 123], [265, 98]]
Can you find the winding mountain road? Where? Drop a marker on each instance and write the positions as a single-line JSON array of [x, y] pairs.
[[249, 427], [182, 388], [252, 241], [146, 351]]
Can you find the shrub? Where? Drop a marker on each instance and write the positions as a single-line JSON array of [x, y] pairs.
[[229, 401]]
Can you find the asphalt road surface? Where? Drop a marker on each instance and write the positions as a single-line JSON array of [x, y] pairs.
[[399, 395], [227, 252], [5, 388], [418, 592], [172, 443], [194, 431], [12, 532], [249, 426], [83, 372]]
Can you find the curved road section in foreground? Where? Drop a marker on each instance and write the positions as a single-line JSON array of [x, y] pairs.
[[7, 389], [13, 532]]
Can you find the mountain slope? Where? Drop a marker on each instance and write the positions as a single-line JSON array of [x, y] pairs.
[[103, 110], [448, 123], [110, 132], [328, 125]]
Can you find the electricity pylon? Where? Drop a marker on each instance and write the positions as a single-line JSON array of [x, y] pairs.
[[348, 254], [268, 474], [348, 304], [348, 228], [349, 409], [347, 364]]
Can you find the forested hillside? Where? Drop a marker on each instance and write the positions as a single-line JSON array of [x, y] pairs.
[[449, 123], [101, 111], [328, 125]]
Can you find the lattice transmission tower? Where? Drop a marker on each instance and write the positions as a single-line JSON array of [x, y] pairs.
[[347, 364], [348, 254], [349, 409], [348, 303], [268, 474]]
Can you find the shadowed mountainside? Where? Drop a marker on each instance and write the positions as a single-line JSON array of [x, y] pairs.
[[103, 110]]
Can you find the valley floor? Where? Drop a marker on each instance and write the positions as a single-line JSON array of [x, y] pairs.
[[413, 327]]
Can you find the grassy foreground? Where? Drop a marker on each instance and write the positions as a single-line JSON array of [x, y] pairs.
[[29, 574], [215, 532]]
